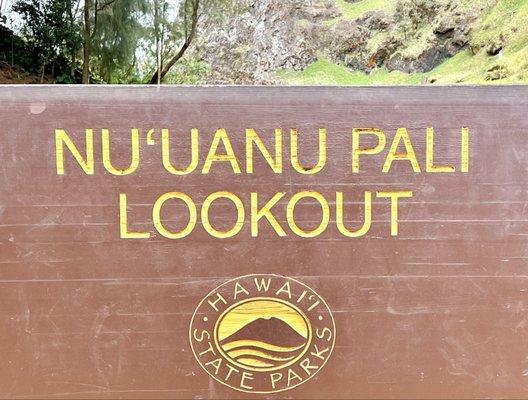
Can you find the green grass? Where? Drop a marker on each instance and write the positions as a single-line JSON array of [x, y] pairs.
[[352, 11], [375, 40], [417, 44], [324, 72], [506, 18], [462, 67]]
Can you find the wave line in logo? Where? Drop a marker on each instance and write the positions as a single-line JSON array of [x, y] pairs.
[[262, 333]]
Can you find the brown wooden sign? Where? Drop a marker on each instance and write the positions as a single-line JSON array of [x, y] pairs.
[[263, 242]]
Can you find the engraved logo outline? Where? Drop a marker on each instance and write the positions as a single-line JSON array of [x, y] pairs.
[[262, 333]]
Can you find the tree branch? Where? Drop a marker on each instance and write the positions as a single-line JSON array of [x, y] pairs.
[[103, 6], [96, 13], [76, 9], [185, 46]]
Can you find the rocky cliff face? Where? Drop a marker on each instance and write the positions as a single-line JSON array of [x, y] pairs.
[[264, 36], [447, 33]]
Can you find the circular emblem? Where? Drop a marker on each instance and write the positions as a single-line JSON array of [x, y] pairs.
[[262, 333]]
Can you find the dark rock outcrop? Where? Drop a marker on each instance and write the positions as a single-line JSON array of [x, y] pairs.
[[268, 35]]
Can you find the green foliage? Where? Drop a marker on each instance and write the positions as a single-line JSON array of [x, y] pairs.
[[117, 30], [504, 24], [188, 71], [124, 34], [375, 40], [13, 50], [48, 39], [121, 37], [354, 10], [170, 25], [414, 14], [324, 72], [163, 24]]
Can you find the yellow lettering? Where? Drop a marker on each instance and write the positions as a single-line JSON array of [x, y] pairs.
[[356, 150], [165, 150], [291, 376], [106, 154], [216, 364], [219, 298], [156, 215], [61, 138], [202, 336], [305, 364], [265, 211], [123, 221], [429, 155], [394, 196], [401, 134], [339, 216], [464, 152], [295, 153], [321, 333], [248, 376], [285, 289], [205, 215], [290, 213], [263, 285], [239, 289], [319, 353], [221, 136], [275, 377], [252, 137], [231, 369]]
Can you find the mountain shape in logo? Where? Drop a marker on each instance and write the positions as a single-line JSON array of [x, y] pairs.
[[264, 343], [274, 332]]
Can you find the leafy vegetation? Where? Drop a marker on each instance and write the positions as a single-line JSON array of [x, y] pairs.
[[324, 72], [501, 29], [110, 41], [503, 26], [142, 41], [356, 9]]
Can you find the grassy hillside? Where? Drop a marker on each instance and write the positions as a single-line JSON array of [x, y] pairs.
[[507, 18], [354, 10], [501, 22], [324, 72]]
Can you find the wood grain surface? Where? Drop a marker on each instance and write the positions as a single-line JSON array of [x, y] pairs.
[[438, 311]]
